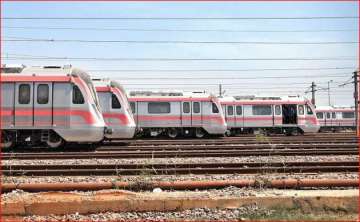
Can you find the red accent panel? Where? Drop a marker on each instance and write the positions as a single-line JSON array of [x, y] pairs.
[[262, 102], [23, 78], [86, 115], [103, 89]]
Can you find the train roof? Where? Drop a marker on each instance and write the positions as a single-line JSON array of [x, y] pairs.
[[108, 83], [334, 108], [263, 99], [169, 94], [21, 72]]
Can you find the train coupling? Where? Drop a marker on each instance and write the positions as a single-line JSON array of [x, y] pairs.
[[108, 131]]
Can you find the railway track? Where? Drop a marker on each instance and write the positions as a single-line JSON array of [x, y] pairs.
[[181, 153], [173, 169]]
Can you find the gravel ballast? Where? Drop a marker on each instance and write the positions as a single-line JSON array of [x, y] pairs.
[[249, 159]]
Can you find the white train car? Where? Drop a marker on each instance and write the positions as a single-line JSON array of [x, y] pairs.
[[50, 105], [177, 114], [289, 115], [336, 118], [115, 109]]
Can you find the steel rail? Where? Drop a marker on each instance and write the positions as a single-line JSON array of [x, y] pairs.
[[174, 169], [178, 153]]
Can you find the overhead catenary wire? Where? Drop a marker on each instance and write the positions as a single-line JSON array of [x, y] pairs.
[[179, 59], [24, 39], [172, 30], [182, 18]]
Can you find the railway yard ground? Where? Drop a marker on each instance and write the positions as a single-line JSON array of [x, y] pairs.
[[308, 177]]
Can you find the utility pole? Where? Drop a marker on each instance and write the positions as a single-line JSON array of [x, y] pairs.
[[329, 92], [313, 90], [220, 90], [356, 97]]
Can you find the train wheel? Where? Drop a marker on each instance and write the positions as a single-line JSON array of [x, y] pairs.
[[172, 133], [7, 141], [55, 141], [199, 133]]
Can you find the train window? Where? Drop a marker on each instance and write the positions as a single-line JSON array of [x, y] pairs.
[[115, 104], [77, 97], [320, 115], [158, 107], [327, 115], [309, 110], [132, 106], [24, 94], [230, 110], [348, 115], [215, 108], [301, 110], [186, 107], [333, 115], [196, 107], [261, 110], [278, 110], [239, 110], [43, 94]]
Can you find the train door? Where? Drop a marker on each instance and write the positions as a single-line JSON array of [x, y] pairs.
[[7, 104], [134, 108], [230, 117], [43, 112], [289, 114], [328, 119], [301, 115], [277, 116], [24, 115], [239, 122], [185, 114], [196, 114]]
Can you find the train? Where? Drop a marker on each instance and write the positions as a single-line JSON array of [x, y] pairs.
[[336, 118], [289, 115], [115, 109], [177, 114], [49, 104], [56, 105]]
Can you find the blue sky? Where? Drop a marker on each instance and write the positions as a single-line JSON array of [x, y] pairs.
[[203, 80]]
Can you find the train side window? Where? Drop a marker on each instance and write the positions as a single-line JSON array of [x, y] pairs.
[[230, 110], [320, 115], [327, 115], [214, 108], [239, 110], [158, 107], [348, 115], [309, 110], [333, 115], [261, 110], [132, 106], [196, 107], [186, 107], [77, 97], [301, 109], [43, 94], [24, 94], [115, 103], [278, 110]]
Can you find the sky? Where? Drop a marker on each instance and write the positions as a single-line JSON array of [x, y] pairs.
[[242, 69]]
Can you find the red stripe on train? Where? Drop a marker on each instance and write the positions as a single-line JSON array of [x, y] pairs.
[[86, 115]]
